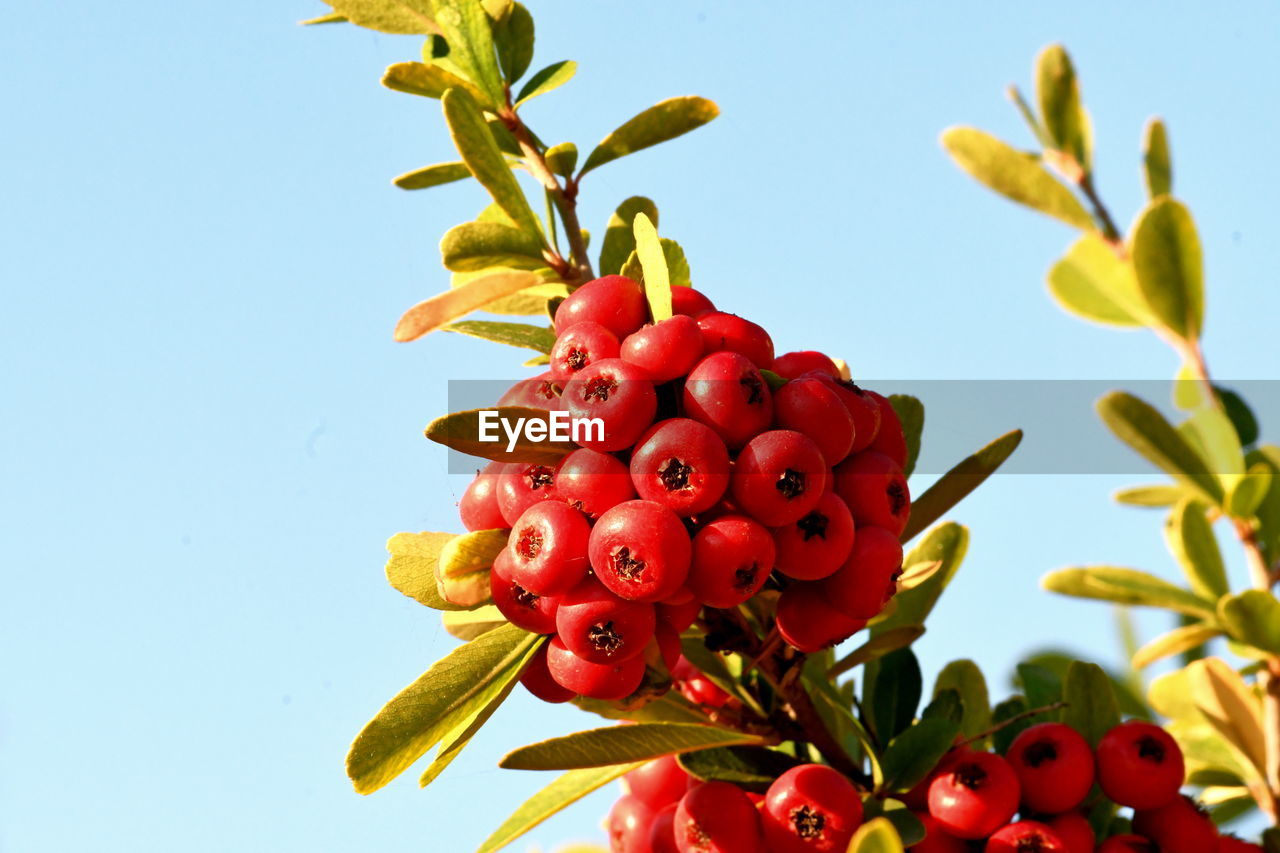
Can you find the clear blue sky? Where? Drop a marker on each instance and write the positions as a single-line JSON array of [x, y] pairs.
[[208, 433]]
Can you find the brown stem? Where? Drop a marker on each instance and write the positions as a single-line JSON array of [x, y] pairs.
[[1015, 718], [1109, 229]]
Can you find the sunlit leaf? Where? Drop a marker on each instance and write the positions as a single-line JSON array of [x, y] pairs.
[[1252, 618], [513, 38], [562, 159], [876, 836], [1230, 707], [1058, 91], [1174, 642], [1150, 496], [966, 678], [1170, 269], [752, 768], [537, 338], [657, 284], [401, 17], [475, 246], [619, 236], [458, 302], [425, 79], [877, 646], [475, 142], [566, 790], [465, 432], [465, 27], [1142, 427], [432, 176], [953, 486], [1156, 162], [1190, 539], [621, 744], [914, 753], [552, 77], [945, 545], [412, 567], [1093, 282], [1127, 586], [659, 123]]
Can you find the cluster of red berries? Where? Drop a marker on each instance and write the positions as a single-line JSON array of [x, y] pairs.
[[1045, 779], [808, 809], [718, 468]]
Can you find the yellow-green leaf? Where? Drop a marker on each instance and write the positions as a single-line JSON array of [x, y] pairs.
[[427, 80], [475, 246], [619, 236], [412, 567], [513, 35], [1252, 618], [1093, 282], [537, 338], [465, 27], [877, 646], [1058, 91], [1153, 496], [332, 18], [566, 790], [1191, 541], [661, 122], [621, 744], [562, 159], [1250, 491], [910, 412], [471, 553], [1230, 707], [1174, 642], [462, 431], [475, 142], [1142, 427], [953, 486], [468, 624], [944, 545], [458, 302], [552, 77], [1170, 269], [400, 17], [1127, 586], [657, 284], [876, 836], [432, 176], [964, 677], [1156, 162]]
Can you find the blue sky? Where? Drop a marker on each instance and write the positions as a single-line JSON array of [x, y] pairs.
[[209, 434]]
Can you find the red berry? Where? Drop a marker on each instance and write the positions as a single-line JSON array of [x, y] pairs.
[[617, 393], [721, 332], [975, 796], [478, 508], [778, 477], [818, 543], [540, 392], [811, 809], [694, 685], [732, 558], [524, 609], [686, 300], [727, 393], [792, 365], [681, 464], [1074, 830], [640, 550], [809, 623], [597, 626], [873, 486], [581, 345], [662, 832], [679, 616], [592, 481], [811, 406], [629, 822], [1177, 827], [868, 579], [862, 407], [936, 839], [1026, 836], [1140, 765], [520, 486], [1127, 844], [668, 639], [537, 679], [1231, 844], [666, 350], [717, 817], [1054, 766], [659, 782], [609, 682], [614, 301], [548, 548], [890, 439]]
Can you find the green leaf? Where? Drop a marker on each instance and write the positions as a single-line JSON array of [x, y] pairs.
[[432, 176], [559, 795], [1058, 92], [896, 693], [537, 338], [1167, 259], [1230, 706], [465, 27], [443, 308], [964, 677], [953, 486], [467, 679], [663, 121], [1242, 417], [670, 708], [412, 567], [619, 236], [1174, 642], [752, 768], [1190, 538], [1091, 702], [909, 828], [1142, 427], [475, 246], [1041, 685], [913, 754], [1154, 496], [562, 159], [620, 744], [945, 705], [1268, 510], [876, 836], [475, 142], [946, 544], [657, 285], [1014, 174], [513, 39], [910, 412], [462, 432], [1008, 716], [1157, 166], [1250, 492], [552, 77], [466, 625], [427, 80], [877, 647], [1252, 618], [401, 17], [1127, 586], [1093, 282], [324, 19]]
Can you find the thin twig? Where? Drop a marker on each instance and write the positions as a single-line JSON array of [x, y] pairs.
[[1109, 229], [1015, 718]]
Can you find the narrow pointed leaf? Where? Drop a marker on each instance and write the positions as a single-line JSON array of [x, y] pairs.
[[332, 18], [400, 17], [1167, 259], [957, 483], [1230, 707], [466, 625], [1157, 165], [1093, 282], [475, 142], [412, 567], [946, 545], [513, 38], [751, 768], [1150, 496], [657, 284], [537, 338], [619, 236], [877, 646], [1174, 642], [458, 302], [1127, 586], [1141, 426], [1191, 541], [661, 122], [1091, 701], [910, 412], [432, 176], [621, 744], [462, 432], [552, 77]]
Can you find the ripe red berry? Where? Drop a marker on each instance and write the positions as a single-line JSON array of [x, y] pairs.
[[597, 626], [537, 679], [1231, 844], [811, 406], [1026, 836], [975, 796], [521, 485], [662, 832], [614, 301], [732, 558], [862, 407], [1074, 830], [1140, 765], [873, 486], [659, 782], [778, 477], [717, 817], [581, 345], [540, 392], [609, 682], [617, 393], [792, 365], [640, 550], [1127, 844], [936, 839], [478, 508], [694, 685], [524, 609], [868, 579], [721, 332], [679, 616], [591, 481], [548, 548], [1054, 766], [1177, 827], [811, 809], [629, 821], [818, 543], [686, 300], [665, 350], [727, 393], [808, 623], [668, 640], [681, 464], [890, 439]]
